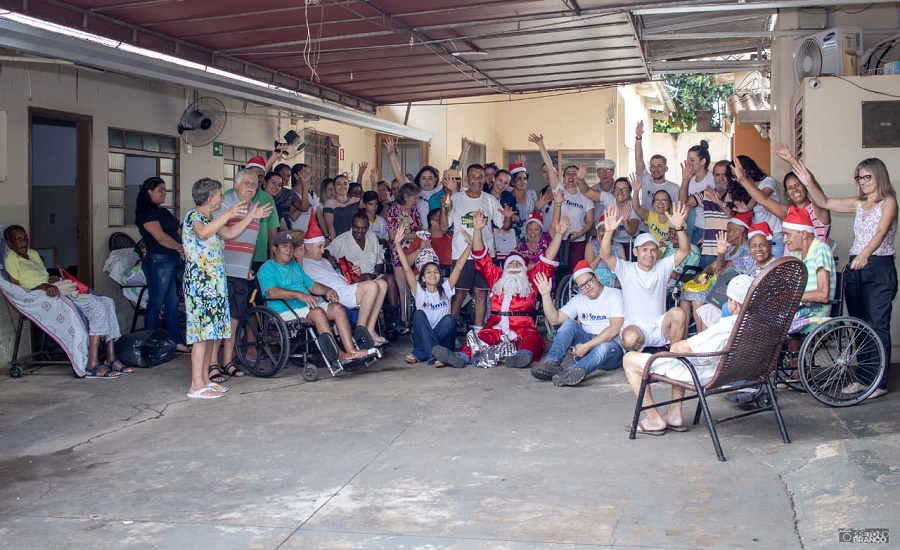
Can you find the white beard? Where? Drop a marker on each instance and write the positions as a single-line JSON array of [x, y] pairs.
[[513, 284]]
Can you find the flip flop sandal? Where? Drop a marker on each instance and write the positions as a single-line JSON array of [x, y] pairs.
[[232, 370], [679, 429], [411, 359], [124, 369], [215, 374], [108, 374], [642, 431], [217, 387], [205, 393]]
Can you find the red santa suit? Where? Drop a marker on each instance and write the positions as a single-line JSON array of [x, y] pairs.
[[518, 328]]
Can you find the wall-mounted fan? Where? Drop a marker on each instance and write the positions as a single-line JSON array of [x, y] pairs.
[[298, 141], [202, 121]]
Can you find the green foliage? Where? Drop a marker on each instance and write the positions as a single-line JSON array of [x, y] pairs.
[[691, 92]]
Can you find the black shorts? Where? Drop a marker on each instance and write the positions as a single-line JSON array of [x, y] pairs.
[[469, 278], [239, 296]]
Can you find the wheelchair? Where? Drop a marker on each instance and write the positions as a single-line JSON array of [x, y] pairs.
[[276, 341], [828, 359]]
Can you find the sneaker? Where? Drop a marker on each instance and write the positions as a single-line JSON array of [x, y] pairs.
[[546, 370], [448, 357], [852, 388], [518, 360], [570, 377], [878, 393]]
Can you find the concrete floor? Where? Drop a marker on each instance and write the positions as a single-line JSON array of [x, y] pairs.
[[401, 456]]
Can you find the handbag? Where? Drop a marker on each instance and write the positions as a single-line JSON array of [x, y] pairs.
[[82, 288], [717, 294]]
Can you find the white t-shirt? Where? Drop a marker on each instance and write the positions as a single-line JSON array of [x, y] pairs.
[[621, 235], [712, 339], [699, 187], [302, 223], [461, 217], [344, 246], [435, 307], [644, 292], [650, 187], [594, 315], [505, 241], [760, 214], [576, 207], [422, 204], [379, 228], [321, 271]]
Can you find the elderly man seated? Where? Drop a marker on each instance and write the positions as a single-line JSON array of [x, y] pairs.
[[368, 296], [712, 339], [281, 278]]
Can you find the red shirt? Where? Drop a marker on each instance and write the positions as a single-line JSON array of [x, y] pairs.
[[443, 247]]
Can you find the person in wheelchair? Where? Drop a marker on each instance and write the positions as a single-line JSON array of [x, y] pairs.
[[290, 292], [800, 240], [713, 339], [26, 269], [368, 296]]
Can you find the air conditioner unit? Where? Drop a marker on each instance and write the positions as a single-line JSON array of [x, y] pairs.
[[832, 52]]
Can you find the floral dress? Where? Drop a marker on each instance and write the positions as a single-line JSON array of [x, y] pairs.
[[531, 258], [205, 290], [396, 216]]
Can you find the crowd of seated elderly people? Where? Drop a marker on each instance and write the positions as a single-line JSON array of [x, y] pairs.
[[366, 247]]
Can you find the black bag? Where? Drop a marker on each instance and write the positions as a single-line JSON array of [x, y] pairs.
[[145, 348]]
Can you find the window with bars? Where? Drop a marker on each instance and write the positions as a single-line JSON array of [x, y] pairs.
[[577, 158], [134, 157], [412, 155], [236, 157], [322, 156]]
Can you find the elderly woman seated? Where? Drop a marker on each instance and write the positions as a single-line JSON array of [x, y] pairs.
[[26, 269]]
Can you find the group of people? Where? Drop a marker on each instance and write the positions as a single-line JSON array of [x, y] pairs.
[[344, 254]]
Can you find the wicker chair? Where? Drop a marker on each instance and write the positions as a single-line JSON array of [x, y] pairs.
[[751, 353]]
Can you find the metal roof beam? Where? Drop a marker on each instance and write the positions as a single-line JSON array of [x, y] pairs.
[[706, 67], [686, 7]]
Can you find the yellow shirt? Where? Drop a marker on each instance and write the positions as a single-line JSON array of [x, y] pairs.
[[657, 228], [29, 272]]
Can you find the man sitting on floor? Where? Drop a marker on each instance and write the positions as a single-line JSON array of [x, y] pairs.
[[368, 296], [645, 282], [590, 321], [712, 339], [513, 294], [281, 278]]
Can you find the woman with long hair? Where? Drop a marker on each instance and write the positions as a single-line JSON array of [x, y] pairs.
[[161, 233], [748, 174], [339, 211], [871, 282], [696, 178]]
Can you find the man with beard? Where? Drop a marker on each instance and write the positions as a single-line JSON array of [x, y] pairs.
[[513, 293]]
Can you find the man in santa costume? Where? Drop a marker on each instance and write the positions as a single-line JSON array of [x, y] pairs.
[[513, 294]]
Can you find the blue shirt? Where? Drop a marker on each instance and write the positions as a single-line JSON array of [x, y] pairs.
[[289, 277]]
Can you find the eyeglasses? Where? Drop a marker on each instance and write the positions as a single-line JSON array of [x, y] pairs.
[[865, 178], [585, 285], [661, 201], [620, 190]]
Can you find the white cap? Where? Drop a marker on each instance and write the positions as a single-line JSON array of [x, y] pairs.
[[738, 287], [645, 238]]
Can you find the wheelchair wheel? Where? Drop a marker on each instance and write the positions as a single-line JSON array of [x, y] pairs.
[[261, 342], [310, 372], [842, 362], [15, 371], [564, 290]]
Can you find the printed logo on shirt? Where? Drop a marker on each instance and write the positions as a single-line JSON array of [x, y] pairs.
[[434, 306], [468, 220], [570, 202], [591, 317]]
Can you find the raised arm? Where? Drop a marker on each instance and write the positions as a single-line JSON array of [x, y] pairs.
[[639, 166], [401, 254], [561, 228], [302, 204], [592, 259], [677, 219], [461, 261], [642, 212], [538, 139], [684, 196], [363, 166], [611, 222], [391, 145], [463, 153], [817, 195], [276, 155], [757, 194], [544, 287], [256, 212]]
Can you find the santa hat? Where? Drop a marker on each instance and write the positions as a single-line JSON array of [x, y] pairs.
[[601, 221], [535, 218], [313, 233], [257, 162], [513, 256], [515, 168], [798, 219], [761, 228], [744, 219], [581, 268]]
